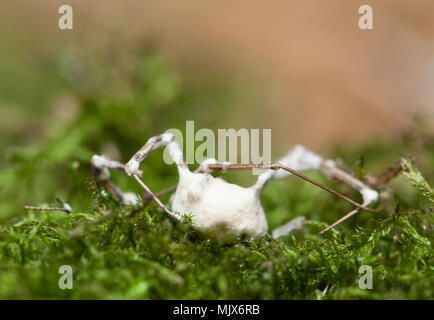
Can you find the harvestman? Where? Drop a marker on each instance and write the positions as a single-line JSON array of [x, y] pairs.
[[221, 209]]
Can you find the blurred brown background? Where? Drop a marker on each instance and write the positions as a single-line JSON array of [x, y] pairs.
[[318, 79]]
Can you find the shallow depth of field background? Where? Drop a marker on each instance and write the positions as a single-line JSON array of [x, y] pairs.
[[302, 68], [132, 69]]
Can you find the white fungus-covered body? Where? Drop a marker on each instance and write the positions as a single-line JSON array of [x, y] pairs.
[[218, 208]]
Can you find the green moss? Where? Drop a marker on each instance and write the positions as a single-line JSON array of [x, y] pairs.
[[146, 256], [138, 253]]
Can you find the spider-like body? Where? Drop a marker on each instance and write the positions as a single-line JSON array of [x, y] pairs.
[[218, 208]]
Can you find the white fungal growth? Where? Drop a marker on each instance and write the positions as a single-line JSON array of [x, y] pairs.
[[101, 165], [297, 223], [66, 206], [132, 167], [369, 195], [165, 139], [220, 209], [130, 199]]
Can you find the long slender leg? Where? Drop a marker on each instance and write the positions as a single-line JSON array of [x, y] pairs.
[[298, 159], [296, 223], [165, 139], [100, 170], [277, 166], [171, 214], [132, 167], [65, 207], [207, 166]]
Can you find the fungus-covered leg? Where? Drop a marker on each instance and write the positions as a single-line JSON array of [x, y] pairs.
[[296, 223], [132, 167], [171, 214], [209, 165], [273, 167], [65, 207], [162, 140], [301, 159], [100, 170]]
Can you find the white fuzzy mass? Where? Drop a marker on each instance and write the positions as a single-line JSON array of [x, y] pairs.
[[220, 209]]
